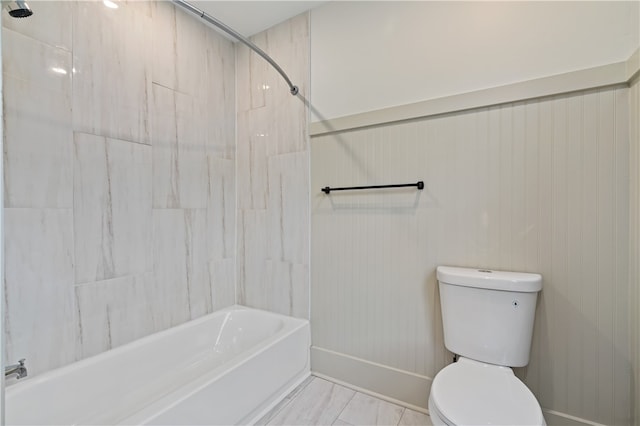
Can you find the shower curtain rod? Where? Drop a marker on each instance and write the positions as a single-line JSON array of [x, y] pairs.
[[210, 19]]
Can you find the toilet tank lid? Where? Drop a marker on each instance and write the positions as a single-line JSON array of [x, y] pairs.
[[522, 282]]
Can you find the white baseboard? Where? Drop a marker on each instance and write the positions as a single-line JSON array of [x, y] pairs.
[[406, 388], [398, 386], [556, 418]]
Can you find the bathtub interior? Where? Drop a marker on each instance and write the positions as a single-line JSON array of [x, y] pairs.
[[110, 387]]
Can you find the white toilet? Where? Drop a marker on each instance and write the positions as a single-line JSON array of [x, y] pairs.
[[487, 318]]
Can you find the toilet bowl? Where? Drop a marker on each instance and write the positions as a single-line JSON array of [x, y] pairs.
[[487, 319], [470, 392]]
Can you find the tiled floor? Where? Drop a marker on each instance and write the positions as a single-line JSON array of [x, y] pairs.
[[320, 402]]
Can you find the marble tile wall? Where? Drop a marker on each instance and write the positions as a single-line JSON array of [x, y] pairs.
[[273, 172], [119, 176]]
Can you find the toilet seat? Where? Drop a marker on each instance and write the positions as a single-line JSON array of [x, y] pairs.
[[469, 392]]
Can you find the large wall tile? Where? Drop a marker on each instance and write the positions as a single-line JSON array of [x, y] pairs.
[[253, 74], [272, 170], [288, 214], [277, 285], [37, 117], [222, 276], [164, 44], [39, 306], [285, 289], [221, 209], [243, 88], [112, 70], [180, 177], [38, 146], [50, 23], [252, 255], [180, 50], [180, 263], [289, 45], [221, 96], [300, 292], [114, 312], [81, 109], [38, 134], [112, 208], [47, 66], [252, 159], [191, 57]]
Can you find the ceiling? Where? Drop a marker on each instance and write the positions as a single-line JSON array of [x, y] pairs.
[[251, 17]]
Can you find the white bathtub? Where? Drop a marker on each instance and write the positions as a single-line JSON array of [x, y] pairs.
[[229, 367]]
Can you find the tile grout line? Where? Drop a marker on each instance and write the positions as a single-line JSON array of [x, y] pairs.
[[345, 405], [404, 410]]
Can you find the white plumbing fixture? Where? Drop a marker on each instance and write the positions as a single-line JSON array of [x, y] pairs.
[[488, 322]]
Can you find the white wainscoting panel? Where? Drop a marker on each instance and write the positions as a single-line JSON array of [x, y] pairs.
[[634, 235], [540, 186]]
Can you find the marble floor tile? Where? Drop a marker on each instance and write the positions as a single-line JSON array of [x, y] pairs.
[[366, 410], [319, 403], [414, 418]]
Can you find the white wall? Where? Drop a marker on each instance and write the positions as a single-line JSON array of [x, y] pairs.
[[539, 186], [2, 307], [634, 235], [370, 55]]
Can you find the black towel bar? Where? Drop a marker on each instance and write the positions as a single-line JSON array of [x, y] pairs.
[[419, 185]]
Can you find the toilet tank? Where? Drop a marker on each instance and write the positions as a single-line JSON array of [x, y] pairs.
[[488, 315]]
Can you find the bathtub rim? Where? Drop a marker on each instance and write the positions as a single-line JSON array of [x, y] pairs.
[[168, 401], [15, 389]]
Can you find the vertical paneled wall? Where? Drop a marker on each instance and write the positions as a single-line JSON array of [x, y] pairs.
[[634, 235], [119, 176], [273, 172], [538, 186]]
